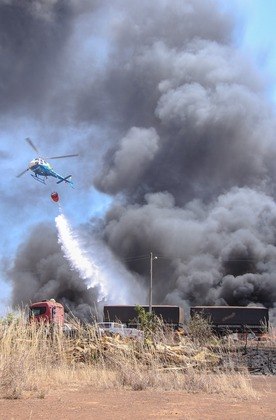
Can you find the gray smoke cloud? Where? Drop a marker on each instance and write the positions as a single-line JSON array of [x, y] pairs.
[[217, 253], [31, 34], [185, 135]]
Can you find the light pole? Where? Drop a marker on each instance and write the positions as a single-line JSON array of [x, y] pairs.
[[150, 286]]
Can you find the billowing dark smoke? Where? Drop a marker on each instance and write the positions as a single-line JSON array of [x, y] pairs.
[[190, 158], [32, 32], [194, 164], [222, 252]]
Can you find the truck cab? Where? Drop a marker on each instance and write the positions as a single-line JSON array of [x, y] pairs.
[[48, 311]]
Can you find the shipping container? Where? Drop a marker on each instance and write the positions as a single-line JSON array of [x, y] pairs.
[[127, 314], [234, 318]]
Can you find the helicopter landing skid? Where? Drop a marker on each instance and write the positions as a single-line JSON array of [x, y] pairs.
[[37, 178]]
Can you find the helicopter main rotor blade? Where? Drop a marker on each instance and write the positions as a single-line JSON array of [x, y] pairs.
[[22, 173], [61, 157], [28, 140]]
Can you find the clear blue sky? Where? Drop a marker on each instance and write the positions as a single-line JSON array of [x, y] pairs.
[[24, 202]]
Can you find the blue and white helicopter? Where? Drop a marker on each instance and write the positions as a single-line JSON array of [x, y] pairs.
[[42, 169]]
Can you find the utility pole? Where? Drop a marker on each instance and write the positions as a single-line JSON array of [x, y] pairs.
[[150, 286]]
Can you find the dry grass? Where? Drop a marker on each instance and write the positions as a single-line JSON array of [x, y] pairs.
[[34, 360]]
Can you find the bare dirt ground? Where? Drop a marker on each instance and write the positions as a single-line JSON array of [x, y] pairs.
[[88, 403]]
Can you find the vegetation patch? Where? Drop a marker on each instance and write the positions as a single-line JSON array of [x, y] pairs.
[[35, 359]]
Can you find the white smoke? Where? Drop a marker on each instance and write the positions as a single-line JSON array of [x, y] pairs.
[[97, 266], [87, 269]]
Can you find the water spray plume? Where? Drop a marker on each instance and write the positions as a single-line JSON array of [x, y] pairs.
[[87, 269]]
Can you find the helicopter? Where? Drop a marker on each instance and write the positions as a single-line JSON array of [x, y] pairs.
[[42, 169]]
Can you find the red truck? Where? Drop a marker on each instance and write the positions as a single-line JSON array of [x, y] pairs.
[[48, 311]]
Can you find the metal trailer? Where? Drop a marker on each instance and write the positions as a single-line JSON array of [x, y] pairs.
[[127, 314], [234, 318]]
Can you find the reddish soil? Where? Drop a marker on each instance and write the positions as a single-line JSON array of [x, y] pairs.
[[88, 403]]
